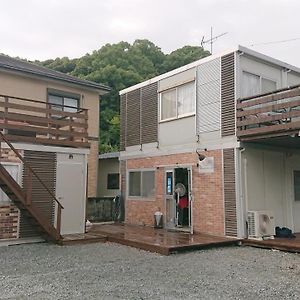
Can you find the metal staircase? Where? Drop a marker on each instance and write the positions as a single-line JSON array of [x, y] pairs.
[[22, 198]]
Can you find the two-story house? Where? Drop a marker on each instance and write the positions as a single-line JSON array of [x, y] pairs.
[[49, 126], [185, 133]]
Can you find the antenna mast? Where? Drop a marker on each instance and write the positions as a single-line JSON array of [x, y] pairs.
[[212, 39]]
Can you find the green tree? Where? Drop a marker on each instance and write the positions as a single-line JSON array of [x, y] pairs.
[[119, 66], [183, 56]]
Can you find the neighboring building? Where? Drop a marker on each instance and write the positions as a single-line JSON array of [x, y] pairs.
[[181, 127], [52, 121], [108, 175]]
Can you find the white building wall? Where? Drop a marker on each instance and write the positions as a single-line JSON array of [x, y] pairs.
[[264, 173], [293, 78]]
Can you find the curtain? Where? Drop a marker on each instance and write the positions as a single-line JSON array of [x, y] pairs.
[[168, 105], [250, 85], [186, 99]]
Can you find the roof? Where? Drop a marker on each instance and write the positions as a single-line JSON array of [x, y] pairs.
[[239, 48], [109, 155], [14, 64]]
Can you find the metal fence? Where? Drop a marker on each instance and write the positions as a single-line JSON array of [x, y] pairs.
[[100, 209]]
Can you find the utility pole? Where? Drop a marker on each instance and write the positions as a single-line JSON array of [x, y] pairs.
[[211, 40]]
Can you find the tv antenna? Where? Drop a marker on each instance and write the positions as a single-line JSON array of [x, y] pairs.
[[212, 39]]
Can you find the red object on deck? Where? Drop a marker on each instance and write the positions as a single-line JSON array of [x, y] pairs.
[[183, 202]]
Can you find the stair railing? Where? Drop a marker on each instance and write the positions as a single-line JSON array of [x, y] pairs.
[[32, 173]]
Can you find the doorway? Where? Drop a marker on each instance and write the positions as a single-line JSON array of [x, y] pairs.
[[70, 191], [178, 199]]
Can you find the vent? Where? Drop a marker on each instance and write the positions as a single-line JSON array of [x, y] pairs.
[[122, 122], [229, 192], [149, 117], [227, 95], [133, 118], [44, 164]]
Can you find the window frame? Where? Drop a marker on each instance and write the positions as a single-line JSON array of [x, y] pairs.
[[177, 115], [260, 82], [142, 198], [63, 95], [108, 186]]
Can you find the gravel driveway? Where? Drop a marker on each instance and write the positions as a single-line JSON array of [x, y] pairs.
[[110, 271]]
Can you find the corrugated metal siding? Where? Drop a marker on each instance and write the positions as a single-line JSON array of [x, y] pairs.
[[44, 164], [149, 113], [133, 118], [229, 192], [122, 121], [208, 96], [228, 95]]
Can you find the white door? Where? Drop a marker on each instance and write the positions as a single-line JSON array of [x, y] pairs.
[[296, 199], [70, 191]]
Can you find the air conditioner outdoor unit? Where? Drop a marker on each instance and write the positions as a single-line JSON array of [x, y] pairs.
[[261, 224]]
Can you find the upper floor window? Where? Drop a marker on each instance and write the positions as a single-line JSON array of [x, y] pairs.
[[178, 102], [255, 84], [63, 101]]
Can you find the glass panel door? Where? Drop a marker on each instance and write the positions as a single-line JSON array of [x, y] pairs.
[[170, 201]]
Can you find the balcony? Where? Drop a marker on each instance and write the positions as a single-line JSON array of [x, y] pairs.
[[273, 115], [32, 121]]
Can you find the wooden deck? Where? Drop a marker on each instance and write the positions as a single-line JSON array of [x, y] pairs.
[[284, 244], [159, 240]]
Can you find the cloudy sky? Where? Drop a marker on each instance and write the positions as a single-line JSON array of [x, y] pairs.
[[41, 29]]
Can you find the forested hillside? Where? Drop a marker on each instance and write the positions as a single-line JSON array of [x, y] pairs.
[[119, 66]]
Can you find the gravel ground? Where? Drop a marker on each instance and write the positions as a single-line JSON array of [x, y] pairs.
[[110, 271]]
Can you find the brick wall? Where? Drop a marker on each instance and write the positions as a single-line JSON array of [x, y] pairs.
[[9, 221], [9, 213], [7, 155], [208, 205]]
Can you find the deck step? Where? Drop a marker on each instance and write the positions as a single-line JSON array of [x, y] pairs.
[[82, 238]]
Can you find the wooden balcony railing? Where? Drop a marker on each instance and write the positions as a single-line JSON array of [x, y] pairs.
[[32, 121], [269, 115]]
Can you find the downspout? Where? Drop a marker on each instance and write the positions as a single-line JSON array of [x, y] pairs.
[[244, 195]]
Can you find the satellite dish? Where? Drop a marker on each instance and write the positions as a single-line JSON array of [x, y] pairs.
[[180, 189]]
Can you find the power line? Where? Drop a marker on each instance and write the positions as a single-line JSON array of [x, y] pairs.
[[274, 42]]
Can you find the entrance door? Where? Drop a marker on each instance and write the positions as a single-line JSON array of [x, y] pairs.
[[71, 194], [178, 195], [296, 200]]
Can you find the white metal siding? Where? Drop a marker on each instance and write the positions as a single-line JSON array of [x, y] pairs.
[[208, 96]]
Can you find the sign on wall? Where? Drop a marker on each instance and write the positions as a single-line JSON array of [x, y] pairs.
[[207, 165]]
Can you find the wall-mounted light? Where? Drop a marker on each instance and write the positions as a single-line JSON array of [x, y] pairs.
[[201, 156]]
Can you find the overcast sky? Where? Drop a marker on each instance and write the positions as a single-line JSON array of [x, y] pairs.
[[41, 29]]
